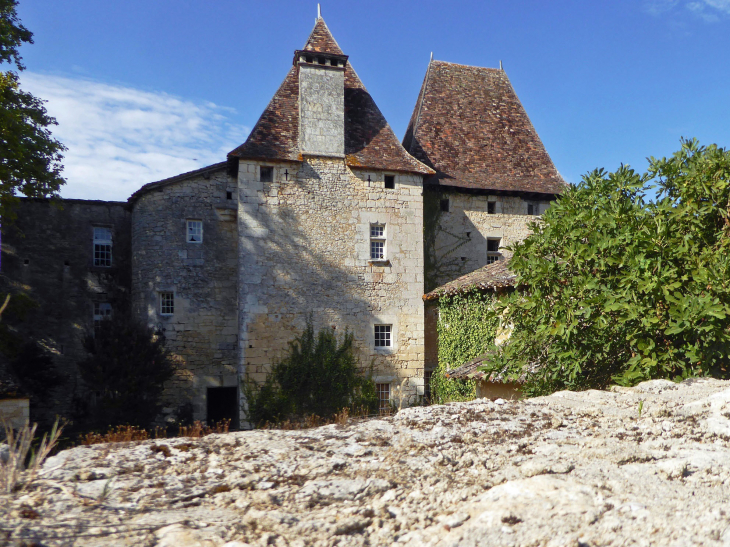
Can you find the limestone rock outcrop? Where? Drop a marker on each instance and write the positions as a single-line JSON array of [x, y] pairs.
[[648, 465]]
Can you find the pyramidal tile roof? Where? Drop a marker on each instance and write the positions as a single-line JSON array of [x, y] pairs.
[[469, 125], [369, 140]]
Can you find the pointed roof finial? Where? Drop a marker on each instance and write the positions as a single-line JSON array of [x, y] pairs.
[[500, 65], [432, 56], [319, 12]]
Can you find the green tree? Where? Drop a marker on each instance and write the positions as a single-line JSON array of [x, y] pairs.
[[319, 376], [126, 370], [620, 289], [30, 158]]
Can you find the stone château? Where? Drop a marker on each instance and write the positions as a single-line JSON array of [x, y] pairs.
[[321, 213]]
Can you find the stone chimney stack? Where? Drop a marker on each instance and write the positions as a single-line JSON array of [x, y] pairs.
[[321, 102]]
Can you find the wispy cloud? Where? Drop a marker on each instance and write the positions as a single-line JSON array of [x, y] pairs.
[[120, 138], [709, 11]]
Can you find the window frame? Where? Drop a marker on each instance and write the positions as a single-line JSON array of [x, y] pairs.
[[170, 306], [383, 388], [381, 239], [106, 260], [188, 223], [102, 311], [494, 256], [386, 332]]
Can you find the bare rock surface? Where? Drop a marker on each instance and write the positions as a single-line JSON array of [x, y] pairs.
[[573, 469]]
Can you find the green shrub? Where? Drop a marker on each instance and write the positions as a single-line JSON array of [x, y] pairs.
[[621, 289], [126, 370], [319, 376]]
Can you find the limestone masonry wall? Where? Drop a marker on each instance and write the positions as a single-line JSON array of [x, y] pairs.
[[304, 247], [322, 109], [202, 332], [15, 412], [462, 232], [48, 255]]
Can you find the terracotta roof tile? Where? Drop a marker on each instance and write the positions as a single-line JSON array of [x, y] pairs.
[[369, 140], [496, 275], [470, 371], [469, 125], [171, 180]]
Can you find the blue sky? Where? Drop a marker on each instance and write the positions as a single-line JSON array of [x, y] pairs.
[[145, 89]]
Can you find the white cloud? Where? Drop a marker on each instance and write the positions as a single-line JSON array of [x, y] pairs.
[[120, 138], [658, 7], [707, 10]]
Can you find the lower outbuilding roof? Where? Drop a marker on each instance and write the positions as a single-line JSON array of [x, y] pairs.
[[496, 275]]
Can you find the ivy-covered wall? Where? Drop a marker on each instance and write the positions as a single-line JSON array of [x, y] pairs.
[[467, 325]]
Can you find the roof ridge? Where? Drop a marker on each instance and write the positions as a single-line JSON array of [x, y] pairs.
[[422, 95], [470, 66]]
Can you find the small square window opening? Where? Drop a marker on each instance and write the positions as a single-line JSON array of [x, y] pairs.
[[267, 174], [229, 194], [377, 242], [195, 231], [390, 181], [445, 205], [383, 336], [102, 247], [491, 207], [167, 303], [530, 209], [383, 391]]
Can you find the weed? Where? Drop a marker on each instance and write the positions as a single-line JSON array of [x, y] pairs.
[[14, 474]]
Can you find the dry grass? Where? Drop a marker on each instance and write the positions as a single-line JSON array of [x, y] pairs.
[[123, 433], [14, 473], [127, 433], [342, 418]]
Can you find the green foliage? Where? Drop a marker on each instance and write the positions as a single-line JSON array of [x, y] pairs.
[[319, 376], [126, 369], [30, 159], [619, 289], [466, 328]]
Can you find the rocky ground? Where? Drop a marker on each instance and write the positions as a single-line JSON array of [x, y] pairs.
[[570, 469]]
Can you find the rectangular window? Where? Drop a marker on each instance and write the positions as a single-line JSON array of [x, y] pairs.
[[383, 338], [267, 174], [493, 253], [377, 242], [102, 247], [491, 207], [383, 391], [390, 181], [445, 205], [102, 310], [195, 231], [167, 303]]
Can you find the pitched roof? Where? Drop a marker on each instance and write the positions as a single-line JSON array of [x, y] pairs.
[[496, 275], [369, 140], [469, 125], [470, 371], [177, 178]]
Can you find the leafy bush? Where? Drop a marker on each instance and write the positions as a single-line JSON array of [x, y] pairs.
[[620, 289], [466, 328], [319, 376], [126, 369]]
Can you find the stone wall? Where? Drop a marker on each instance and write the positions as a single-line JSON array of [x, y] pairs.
[[304, 248], [202, 333], [460, 235], [48, 255], [15, 412], [322, 109]]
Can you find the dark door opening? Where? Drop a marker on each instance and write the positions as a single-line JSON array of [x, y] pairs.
[[222, 405]]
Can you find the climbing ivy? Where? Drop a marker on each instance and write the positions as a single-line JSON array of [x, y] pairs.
[[467, 325]]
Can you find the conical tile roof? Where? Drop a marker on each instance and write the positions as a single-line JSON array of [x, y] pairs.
[[369, 140]]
